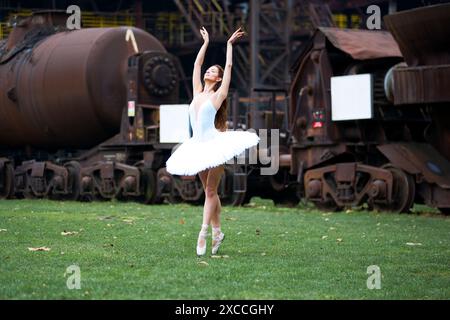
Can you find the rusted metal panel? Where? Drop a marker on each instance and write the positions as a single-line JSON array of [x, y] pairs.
[[423, 34], [363, 44], [421, 160], [38, 169], [345, 172]]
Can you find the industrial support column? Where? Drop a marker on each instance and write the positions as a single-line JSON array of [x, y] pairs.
[[254, 50]]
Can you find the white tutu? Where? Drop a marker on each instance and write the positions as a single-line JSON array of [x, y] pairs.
[[208, 147], [196, 155]]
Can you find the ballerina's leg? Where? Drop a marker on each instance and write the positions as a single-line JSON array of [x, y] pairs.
[[201, 242]]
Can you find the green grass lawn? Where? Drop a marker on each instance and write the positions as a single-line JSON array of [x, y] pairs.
[[133, 251]]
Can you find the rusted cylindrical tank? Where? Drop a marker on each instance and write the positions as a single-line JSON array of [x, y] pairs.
[[69, 90]]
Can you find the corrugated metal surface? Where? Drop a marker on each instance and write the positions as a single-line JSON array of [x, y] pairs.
[[428, 84], [363, 44]]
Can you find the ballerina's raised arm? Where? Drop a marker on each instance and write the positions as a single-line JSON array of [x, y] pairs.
[[196, 74], [222, 92]]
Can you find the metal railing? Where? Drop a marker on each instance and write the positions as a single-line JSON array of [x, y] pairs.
[[88, 19], [92, 20]]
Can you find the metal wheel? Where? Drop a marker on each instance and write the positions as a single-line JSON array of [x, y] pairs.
[[166, 188], [73, 185], [403, 192], [148, 186], [7, 182]]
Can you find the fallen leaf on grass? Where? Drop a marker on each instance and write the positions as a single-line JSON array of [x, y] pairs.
[[339, 240], [39, 249], [3, 230], [106, 217], [413, 244], [324, 237], [203, 263], [182, 221], [68, 233]]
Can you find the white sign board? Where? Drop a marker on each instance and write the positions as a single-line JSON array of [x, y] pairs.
[[174, 123], [352, 97]]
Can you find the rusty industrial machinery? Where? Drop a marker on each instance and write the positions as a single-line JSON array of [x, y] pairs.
[[62, 122], [95, 113], [369, 114], [80, 115]]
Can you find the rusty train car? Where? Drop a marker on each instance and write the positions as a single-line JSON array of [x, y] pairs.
[[370, 114], [64, 129], [80, 115]]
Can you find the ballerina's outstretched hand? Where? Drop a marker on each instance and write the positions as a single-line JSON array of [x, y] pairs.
[[204, 34], [236, 35]]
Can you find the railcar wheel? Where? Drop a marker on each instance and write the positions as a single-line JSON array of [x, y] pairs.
[[7, 182], [403, 192], [74, 169], [148, 185], [166, 187]]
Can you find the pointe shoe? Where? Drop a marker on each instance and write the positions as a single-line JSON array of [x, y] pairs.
[[201, 250], [217, 241]]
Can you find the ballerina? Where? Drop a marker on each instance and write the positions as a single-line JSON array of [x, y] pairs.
[[210, 145]]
